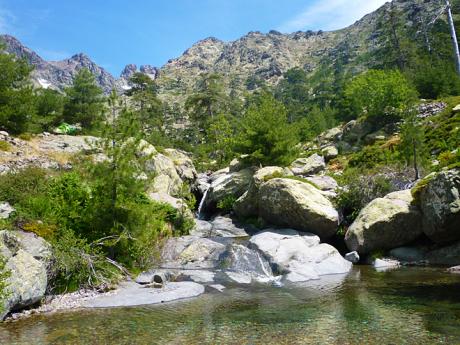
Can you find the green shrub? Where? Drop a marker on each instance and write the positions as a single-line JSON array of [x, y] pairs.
[[421, 185], [41, 229], [5, 146], [383, 96], [359, 190], [78, 264], [276, 174], [372, 156], [18, 187], [226, 204], [25, 136]]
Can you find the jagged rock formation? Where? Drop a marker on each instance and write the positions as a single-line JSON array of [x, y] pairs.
[[124, 82], [58, 74]]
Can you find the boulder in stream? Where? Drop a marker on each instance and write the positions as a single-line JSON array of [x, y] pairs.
[[299, 256]]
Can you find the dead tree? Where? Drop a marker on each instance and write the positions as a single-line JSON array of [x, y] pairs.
[[453, 35]]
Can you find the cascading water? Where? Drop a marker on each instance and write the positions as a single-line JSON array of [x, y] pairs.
[[200, 207]]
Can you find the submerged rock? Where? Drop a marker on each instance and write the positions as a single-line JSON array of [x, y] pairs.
[[299, 256], [385, 223], [297, 205]]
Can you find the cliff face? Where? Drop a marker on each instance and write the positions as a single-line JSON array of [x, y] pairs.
[[256, 56]]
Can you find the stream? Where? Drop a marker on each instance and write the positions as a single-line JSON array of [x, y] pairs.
[[403, 306]]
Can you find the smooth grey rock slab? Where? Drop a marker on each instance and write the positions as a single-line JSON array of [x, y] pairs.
[[132, 294]]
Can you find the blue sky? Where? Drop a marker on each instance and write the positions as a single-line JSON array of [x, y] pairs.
[[117, 32]]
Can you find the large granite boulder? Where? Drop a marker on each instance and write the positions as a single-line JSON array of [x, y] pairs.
[[440, 204], [244, 265], [166, 179], [130, 294], [331, 135], [6, 210], [308, 166], [330, 152], [191, 252], [27, 258], [221, 227], [298, 205], [248, 204], [176, 203], [183, 163], [228, 185], [27, 282], [299, 256], [385, 223], [323, 182]]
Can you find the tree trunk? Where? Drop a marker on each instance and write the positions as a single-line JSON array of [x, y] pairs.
[[400, 59], [454, 36], [417, 175]]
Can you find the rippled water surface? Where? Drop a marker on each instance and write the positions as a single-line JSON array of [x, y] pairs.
[[406, 306]]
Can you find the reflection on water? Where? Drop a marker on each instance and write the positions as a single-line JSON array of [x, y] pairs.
[[406, 306]]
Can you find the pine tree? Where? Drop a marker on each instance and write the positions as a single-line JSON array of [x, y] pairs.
[[49, 109], [149, 109], [209, 100], [122, 177], [221, 138], [16, 95], [412, 141], [265, 134], [84, 100]]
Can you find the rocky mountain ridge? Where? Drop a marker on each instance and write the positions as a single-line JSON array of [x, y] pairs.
[[251, 58]]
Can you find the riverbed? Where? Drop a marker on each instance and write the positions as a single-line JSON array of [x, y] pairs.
[[403, 306]]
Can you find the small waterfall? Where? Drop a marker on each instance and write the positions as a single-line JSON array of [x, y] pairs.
[[200, 207]]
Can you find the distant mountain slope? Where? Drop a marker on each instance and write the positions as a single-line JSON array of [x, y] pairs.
[[258, 56], [58, 74], [254, 56]]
